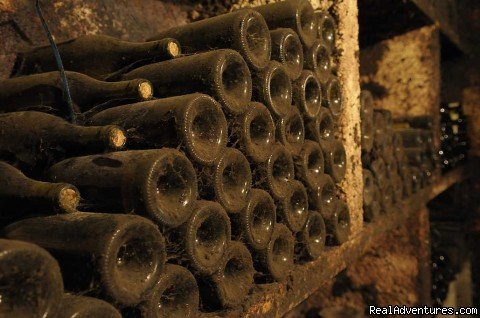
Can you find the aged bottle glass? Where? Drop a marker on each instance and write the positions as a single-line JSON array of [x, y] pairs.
[[335, 159], [317, 58], [293, 209], [310, 165], [327, 28], [320, 128], [287, 49], [291, 131], [380, 129], [333, 97], [368, 187], [338, 224], [85, 307], [307, 94], [322, 198], [311, 240]]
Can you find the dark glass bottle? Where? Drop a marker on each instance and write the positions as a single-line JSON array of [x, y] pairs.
[[287, 49], [311, 240], [44, 92], [35, 140], [96, 55], [243, 30], [201, 242], [291, 131], [307, 94], [335, 159], [368, 187], [379, 170], [321, 128], [367, 135], [372, 211], [380, 129], [228, 181], [116, 256], [228, 287], [160, 184], [194, 122], [273, 88], [387, 151], [222, 74], [254, 224], [21, 196], [293, 209], [327, 28], [253, 132], [309, 164], [317, 58], [295, 14], [366, 105], [338, 224], [31, 280], [85, 307], [333, 96], [322, 198]]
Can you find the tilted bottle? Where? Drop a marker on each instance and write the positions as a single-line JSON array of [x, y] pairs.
[[327, 28], [44, 92], [222, 74], [160, 184], [21, 196], [85, 307], [338, 224], [321, 128], [293, 209], [295, 14], [307, 94], [309, 164], [243, 30], [311, 240], [96, 55], [117, 256], [228, 181], [253, 132], [291, 131], [333, 96], [31, 281], [322, 198], [35, 140], [335, 159], [228, 287], [194, 122], [317, 59], [287, 49]]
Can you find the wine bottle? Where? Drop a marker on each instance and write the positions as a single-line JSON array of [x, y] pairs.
[[243, 30], [276, 261], [372, 211], [117, 256], [380, 129], [160, 184], [253, 132], [200, 243], [335, 159], [379, 170], [287, 49], [228, 287], [338, 224], [44, 92], [194, 122], [310, 242], [309, 164], [388, 117], [31, 280], [366, 105], [175, 295], [96, 55], [317, 59], [368, 187], [322, 198], [35, 140], [320, 128], [273, 174], [254, 224], [327, 28], [222, 74], [367, 135], [293, 209], [333, 97], [377, 197], [273, 88], [83, 307], [366, 116], [228, 181], [307, 94], [21, 196], [295, 14], [291, 131]]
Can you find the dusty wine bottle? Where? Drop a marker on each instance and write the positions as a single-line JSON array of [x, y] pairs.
[[380, 128], [222, 74], [368, 187], [31, 280], [253, 132], [201, 242], [338, 224], [96, 55], [116, 256], [44, 92], [21, 196], [291, 131], [228, 287], [307, 94], [228, 181], [287, 49], [309, 164], [295, 14], [367, 135], [160, 184], [85, 307], [322, 198], [317, 59], [273, 174], [273, 88], [293, 209], [379, 170], [321, 128], [276, 261], [254, 224], [333, 98], [194, 122], [243, 30], [310, 242], [335, 159], [35, 140], [327, 28], [366, 105]]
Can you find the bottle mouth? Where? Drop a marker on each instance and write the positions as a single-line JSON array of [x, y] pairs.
[[279, 90], [292, 54], [206, 129], [235, 84], [116, 138], [327, 30], [281, 170], [322, 59], [316, 234], [325, 125], [68, 199], [298, 207], [280, 255], [234, 180], [314, 163], [343, 222], [260, 134], [339, 157], [335, 101], [306, 23], [294, 129], [328, 194], [257, 40], [261, 219], [145, 90]]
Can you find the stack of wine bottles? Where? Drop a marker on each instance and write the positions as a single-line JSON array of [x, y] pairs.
[[391, 171], [454, 143], [181, 179]]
